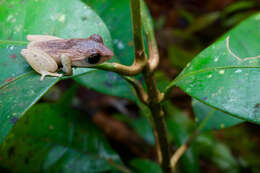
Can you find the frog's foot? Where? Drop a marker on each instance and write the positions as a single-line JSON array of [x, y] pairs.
[[45, 73]]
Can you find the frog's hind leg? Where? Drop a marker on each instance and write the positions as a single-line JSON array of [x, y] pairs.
[[46, 73], [41, 62]]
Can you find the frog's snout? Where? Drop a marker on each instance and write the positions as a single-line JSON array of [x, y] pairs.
[[108, 53]]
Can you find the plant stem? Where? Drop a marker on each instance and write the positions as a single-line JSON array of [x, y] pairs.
[[138, 88], [154, 98], [121, 69], [181, 150], [140, 59], [149, 33], [137, 31]]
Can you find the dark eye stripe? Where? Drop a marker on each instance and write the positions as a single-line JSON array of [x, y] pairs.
[[93, 59]]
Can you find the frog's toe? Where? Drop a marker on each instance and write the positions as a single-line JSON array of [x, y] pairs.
[[45, 73], [42, 77]]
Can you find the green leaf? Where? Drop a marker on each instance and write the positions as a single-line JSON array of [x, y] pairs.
[[179, 129], [145, 166], [220, 80], [216, 119], [20, 86], [54, 138]]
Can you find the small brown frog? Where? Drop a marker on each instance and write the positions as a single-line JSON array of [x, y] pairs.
[[45, 53]]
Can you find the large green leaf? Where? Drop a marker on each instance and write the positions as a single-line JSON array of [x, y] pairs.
[[215, 118], [220, 80], [56, 138], [20, 86]]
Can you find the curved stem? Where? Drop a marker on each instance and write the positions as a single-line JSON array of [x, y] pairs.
[[138, 88], [181, 150], [140, 59], [152, 45], [121, 69]]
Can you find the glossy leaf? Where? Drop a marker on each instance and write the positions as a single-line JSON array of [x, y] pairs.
[[20, 86], [56, 138], [217, 78], [215, 118]]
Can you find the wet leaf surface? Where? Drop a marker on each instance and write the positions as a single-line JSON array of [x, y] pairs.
[[215, 118], [222, 81]]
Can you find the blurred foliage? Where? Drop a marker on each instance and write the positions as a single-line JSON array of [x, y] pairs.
[[145, 166], [55, 138]]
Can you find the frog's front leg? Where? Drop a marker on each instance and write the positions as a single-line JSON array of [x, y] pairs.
[[41, 62], [66, 64]]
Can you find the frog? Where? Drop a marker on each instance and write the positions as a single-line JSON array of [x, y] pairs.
[[46, 53]]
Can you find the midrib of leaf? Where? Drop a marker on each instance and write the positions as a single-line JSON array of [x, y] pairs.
[[224, 111], [182, 77]]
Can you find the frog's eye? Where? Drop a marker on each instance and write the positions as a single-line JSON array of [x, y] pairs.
[[93, 59]]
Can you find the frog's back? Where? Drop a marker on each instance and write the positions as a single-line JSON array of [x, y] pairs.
[[50, 44]]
